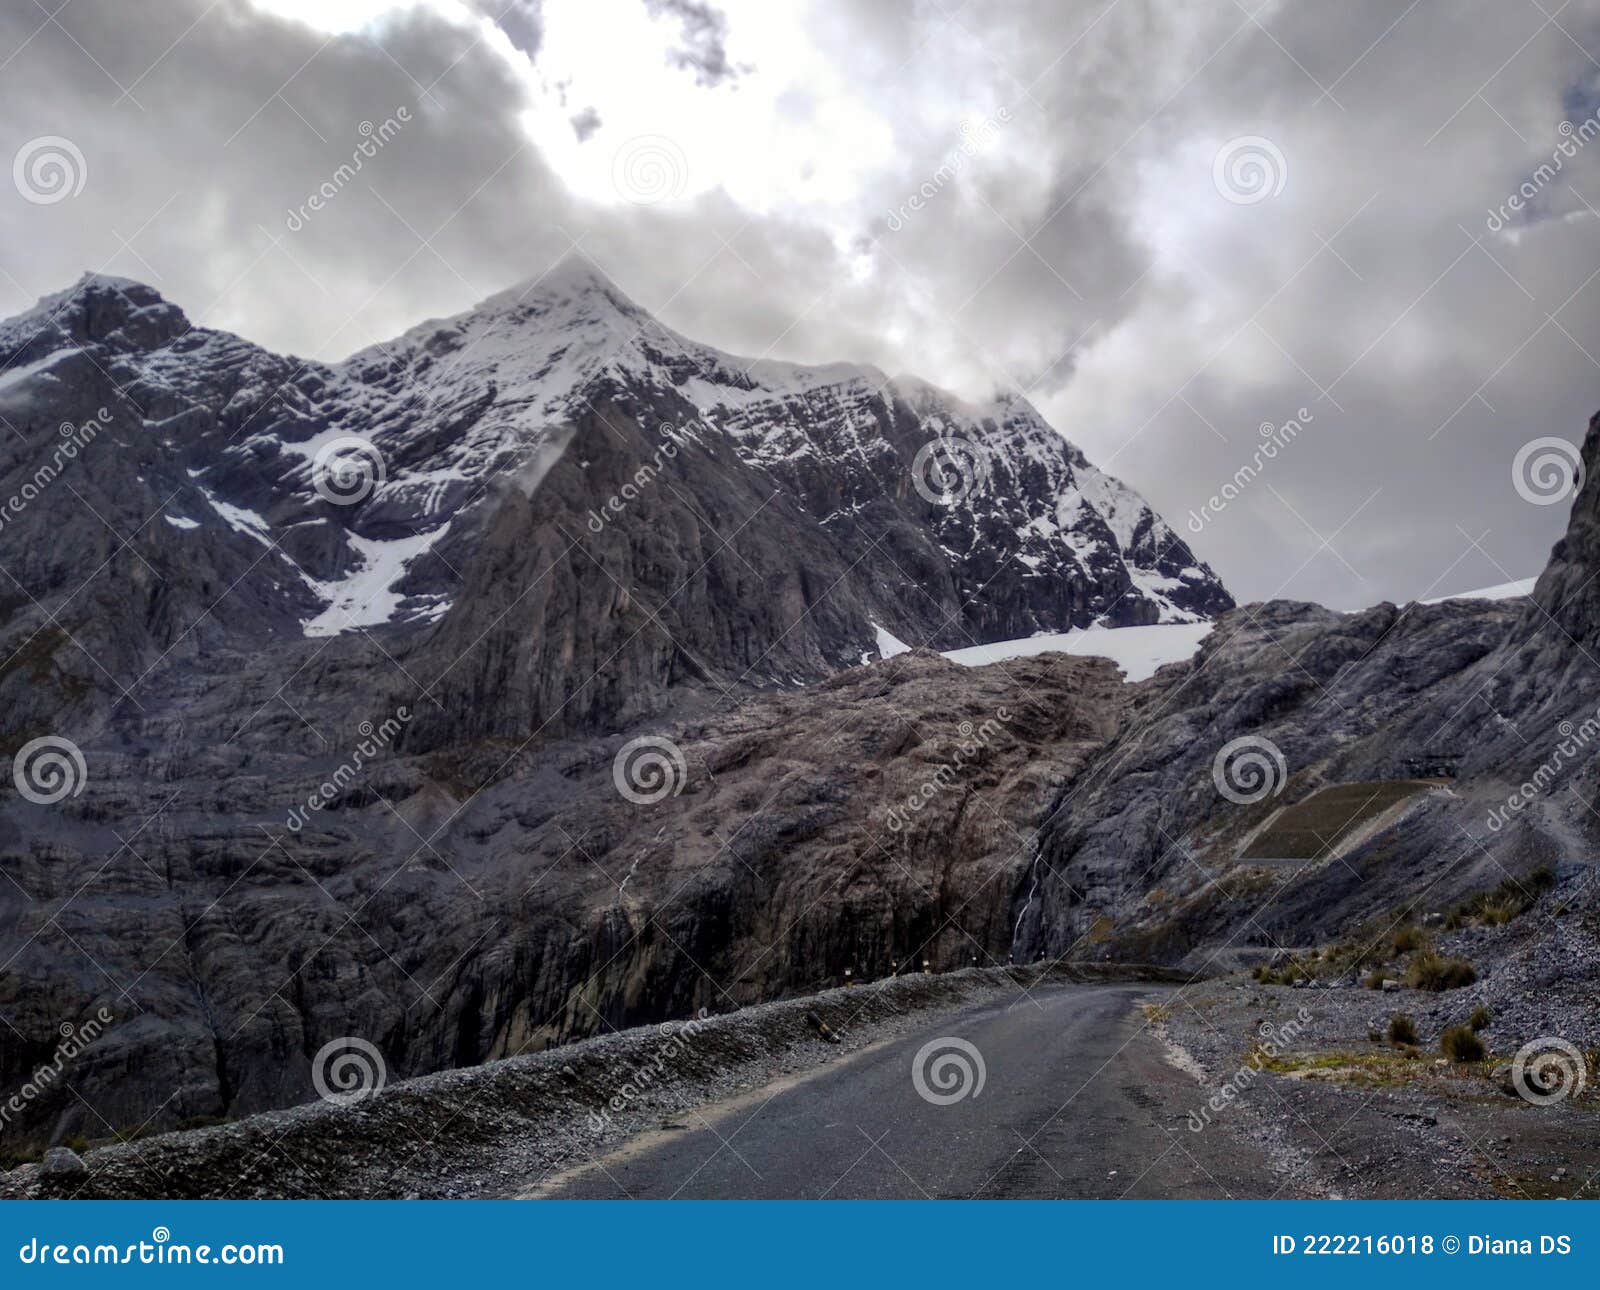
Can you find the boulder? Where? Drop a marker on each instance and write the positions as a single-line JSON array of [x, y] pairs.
[[62, 1167]]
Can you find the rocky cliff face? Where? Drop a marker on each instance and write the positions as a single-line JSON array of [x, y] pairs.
[[881, 817], [1499, 701]]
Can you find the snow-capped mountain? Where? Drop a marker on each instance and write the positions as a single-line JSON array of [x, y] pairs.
[[837, 438], [552, 502]]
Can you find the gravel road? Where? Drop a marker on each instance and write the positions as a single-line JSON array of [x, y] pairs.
[[1078, 1098]]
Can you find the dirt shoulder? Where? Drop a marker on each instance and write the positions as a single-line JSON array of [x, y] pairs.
[[1311, 1071]]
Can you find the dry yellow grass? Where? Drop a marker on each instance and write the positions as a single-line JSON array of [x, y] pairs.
[[1314, 827]]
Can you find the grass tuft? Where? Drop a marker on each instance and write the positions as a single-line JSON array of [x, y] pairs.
[[1402, 1029], [1408, 938], [1461, 1044], [1430, 971], [1499, 905]]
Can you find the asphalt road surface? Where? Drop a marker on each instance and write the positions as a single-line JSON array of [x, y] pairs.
[[1077, 1100]]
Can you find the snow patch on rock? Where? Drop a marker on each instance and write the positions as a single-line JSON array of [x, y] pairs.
[[366, 597]]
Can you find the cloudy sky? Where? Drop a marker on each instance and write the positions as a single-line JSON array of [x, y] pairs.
[[1168, 224]]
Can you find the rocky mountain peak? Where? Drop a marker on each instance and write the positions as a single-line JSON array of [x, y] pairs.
[[572, 281], [1566, 591], [98, 309]]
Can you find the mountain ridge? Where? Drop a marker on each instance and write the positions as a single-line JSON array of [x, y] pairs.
[[367, 496]]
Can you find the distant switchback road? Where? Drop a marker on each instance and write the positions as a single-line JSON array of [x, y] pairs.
[[1077, 1100]]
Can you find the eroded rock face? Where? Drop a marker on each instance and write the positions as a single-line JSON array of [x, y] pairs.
[[1139, 856], [882, 817], [1381, 694]]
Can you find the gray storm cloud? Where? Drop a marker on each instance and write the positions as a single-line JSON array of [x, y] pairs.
[[704, 31], [1066, 207]]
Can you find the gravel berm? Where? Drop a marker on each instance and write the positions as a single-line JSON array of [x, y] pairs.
[[493, 1129]]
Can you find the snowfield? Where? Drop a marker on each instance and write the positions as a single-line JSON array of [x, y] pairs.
[[1138, 651], [1504, 591]]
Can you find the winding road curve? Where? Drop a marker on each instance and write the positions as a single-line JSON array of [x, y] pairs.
[[1077, 1100]]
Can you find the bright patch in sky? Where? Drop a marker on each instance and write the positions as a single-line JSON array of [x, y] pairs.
[[788, 129]]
